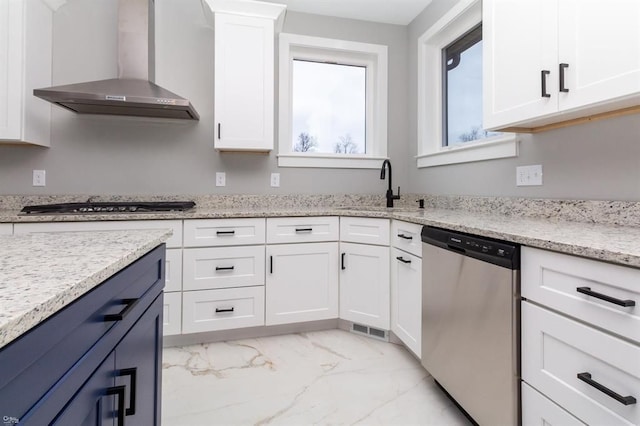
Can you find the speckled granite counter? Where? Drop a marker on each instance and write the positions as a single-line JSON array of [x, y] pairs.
[[42, 273], [603, 230]]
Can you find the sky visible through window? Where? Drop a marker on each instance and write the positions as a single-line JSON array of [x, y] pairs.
[[329, 108], [464, 99]]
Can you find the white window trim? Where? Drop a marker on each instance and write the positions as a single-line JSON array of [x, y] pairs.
[[465, 15], [374, 57]]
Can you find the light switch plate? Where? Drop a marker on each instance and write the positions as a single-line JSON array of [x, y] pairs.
[[221, 179], [529, 175]]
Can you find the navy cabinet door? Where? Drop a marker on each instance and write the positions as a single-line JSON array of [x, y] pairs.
[[139, 367], [93, 405]]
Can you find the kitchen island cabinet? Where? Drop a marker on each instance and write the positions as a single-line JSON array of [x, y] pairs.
[[83, 343]]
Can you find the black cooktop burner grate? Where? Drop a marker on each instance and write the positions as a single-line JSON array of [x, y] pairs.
[[110, 207]]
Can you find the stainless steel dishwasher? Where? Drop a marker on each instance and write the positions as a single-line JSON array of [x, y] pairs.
[[471, 322]]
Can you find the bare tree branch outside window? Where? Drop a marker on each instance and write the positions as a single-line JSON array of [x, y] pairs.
[[305, 143], [346, 145]]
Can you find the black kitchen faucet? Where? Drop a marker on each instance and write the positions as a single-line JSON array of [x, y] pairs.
[[390, 196]]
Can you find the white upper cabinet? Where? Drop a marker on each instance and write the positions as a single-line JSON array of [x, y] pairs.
[[244, 76], [25, 64], [552, 61]]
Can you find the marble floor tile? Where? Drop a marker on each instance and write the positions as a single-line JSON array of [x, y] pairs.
[[329, 377]]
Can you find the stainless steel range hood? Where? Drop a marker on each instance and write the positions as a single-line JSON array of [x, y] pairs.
[[133, 93]]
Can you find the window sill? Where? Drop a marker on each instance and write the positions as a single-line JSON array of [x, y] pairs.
[[500, 147], [327, 161]]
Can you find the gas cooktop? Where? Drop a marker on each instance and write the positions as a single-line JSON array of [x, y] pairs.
[[109, 207]]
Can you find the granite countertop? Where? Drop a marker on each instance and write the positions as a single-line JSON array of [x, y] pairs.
[[607, 242], [42, 273]]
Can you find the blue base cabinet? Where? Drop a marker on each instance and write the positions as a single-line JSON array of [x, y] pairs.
[[95, 362]]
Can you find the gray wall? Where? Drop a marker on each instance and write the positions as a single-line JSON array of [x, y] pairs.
[[108, 155], [598, 160]]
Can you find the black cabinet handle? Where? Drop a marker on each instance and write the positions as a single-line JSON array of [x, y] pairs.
[[119, 392], [342, 261], [587, 290], [225, 268], [406, 237], [219, 310], [133, 373], [219, 131], [561, 72], [401, 259], [543, 77], [304, 229], [271, 264], [225, 232], [625, 400], [130, 304]]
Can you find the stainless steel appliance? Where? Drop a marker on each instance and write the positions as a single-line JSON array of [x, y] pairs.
[[109, 207], [471, 322]]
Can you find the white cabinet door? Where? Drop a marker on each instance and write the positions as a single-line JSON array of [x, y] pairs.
[[172, 314], [538, 410], [25, 64], [406, 299], [301, 283], [173, 270], [244, 83], [600, 43], [519, 42], [6, 228], [364, 284]]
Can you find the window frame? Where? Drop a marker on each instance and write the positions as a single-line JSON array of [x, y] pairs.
[[319, 49], [460, 19]]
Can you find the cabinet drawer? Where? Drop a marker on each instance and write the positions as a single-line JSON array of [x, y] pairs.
[[211, 310], [223, 232], [407, 236], [302, 229], [553, 280], [223, 267], [556, 349], [174, 241], [538, 410], [364, 230], [173, 270], [172, 314], [6, 229]]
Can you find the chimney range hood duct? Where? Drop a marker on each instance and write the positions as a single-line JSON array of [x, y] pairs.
[[133, 93]]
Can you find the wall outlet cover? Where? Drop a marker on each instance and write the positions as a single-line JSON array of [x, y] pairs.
[[39, 178], [275, 180], [221, 179], [529, 175]]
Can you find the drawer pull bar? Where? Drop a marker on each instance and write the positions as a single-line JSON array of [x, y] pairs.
[[587, 290], [401, 259], [304, 229], [406, 237], [119, 392], [225, 232], [133, 373], [225, 268], [543, 78], [342, 261], [222, 310], [130, 304], [626, 400]]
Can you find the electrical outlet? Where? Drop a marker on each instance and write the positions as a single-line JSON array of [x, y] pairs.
[[529, 175], [275, 180], [221, 179], [39, 178]]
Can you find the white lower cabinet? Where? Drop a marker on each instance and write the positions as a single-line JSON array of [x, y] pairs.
[[364, 284], [406, 299], [223, 309], [223, 267], [6, 228], [580, 367], [538, 410], [301, 282], [173, 271], [172, 314]]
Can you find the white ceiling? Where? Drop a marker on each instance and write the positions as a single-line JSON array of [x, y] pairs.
[[399, 12]]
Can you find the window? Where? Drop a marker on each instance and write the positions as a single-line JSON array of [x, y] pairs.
[[450, 93], [333, 103]]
